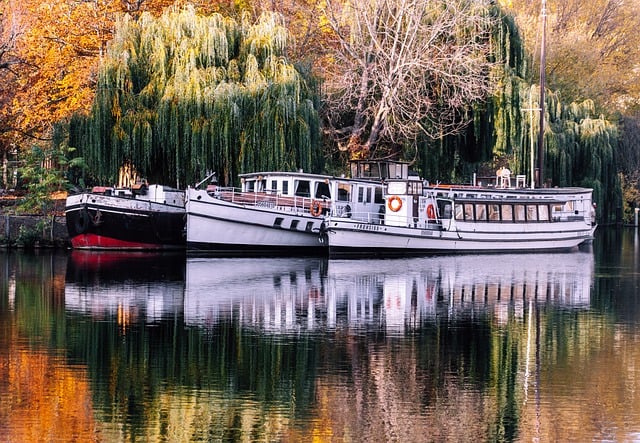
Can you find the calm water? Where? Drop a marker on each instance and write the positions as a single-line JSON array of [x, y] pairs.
[[142, 347]]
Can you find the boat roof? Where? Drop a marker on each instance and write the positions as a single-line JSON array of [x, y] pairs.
[[512, 193], [364, 170]]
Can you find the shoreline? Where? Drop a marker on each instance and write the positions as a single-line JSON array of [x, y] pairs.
[[33, 232]]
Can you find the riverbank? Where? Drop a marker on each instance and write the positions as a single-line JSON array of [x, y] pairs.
[[32, 231]]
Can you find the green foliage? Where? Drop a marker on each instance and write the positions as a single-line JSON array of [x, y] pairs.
[[184, 94], [28, 237], [43, 172], [579, 145]]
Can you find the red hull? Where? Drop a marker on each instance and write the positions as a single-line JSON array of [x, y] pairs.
[[94, 241]]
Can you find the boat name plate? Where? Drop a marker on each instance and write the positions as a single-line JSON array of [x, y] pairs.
[[368, 227]]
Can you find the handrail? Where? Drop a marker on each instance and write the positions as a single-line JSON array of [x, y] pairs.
[[235, 195]]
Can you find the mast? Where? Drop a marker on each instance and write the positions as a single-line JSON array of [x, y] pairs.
[[542, 86]]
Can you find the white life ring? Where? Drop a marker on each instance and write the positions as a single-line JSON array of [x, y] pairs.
[[394, 203]]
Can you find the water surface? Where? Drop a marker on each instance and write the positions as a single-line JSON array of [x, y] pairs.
[[167, 347]]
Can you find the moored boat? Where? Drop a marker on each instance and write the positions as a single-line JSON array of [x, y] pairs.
[[421, 219], [144, 217], [277, 212]]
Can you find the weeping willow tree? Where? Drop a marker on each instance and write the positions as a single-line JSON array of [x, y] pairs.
[[184, 94], [579, 145], [496, 124]]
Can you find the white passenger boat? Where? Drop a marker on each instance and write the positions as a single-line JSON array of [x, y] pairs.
[[421, 218], [283, 211]]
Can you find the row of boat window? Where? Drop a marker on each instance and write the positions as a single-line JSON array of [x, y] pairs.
[[303, 188], [514, 212]]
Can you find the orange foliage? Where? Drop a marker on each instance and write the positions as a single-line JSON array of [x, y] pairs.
[[61, 42], [42, 398]]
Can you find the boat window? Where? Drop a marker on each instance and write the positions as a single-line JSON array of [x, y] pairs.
[[444, 208], [360, 194], [414, 187], [263, 186], [274, 186], [302, 188], [309, 227], [520, 212], [378, 197], [294, 224], [278, 222], [507, 212], [543, 212], [494, 212], [368, 195], [532, 212], [370, 170], [250, 186], [322, 190], [459, 212], [285, 188], [398, 170], [366, 170], [343, 192], [481, 211], [468, 211]]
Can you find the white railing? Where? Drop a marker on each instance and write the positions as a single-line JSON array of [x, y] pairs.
[[271, 200]]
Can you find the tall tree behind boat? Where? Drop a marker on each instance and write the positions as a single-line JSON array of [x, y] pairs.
[[579, 142], [183, 94], [405, 69]]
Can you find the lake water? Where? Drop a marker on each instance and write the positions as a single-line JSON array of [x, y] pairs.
[[122, 347]]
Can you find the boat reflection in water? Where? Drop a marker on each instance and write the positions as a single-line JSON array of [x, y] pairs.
[[296, 295], [128, 283]]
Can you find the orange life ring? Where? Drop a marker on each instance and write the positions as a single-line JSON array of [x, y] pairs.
[[316, 208], [394, 203], [431, 212]]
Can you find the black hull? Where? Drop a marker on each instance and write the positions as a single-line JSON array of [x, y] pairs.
[[93, 226]]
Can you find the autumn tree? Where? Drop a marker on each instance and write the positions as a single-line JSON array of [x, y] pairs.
[[185, 93], [60, 43], [593, 49], [10, 66], [405, 68]]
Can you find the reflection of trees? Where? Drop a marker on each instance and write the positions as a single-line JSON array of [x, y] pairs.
[[458, 376], [455, 377], [43, 398], [232, 379]]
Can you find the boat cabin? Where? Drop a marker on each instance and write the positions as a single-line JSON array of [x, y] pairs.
[[360, 195], [415, 203], [146, 192]]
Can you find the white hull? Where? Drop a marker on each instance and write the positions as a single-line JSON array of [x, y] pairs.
[[218, 225], [346, 236]]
